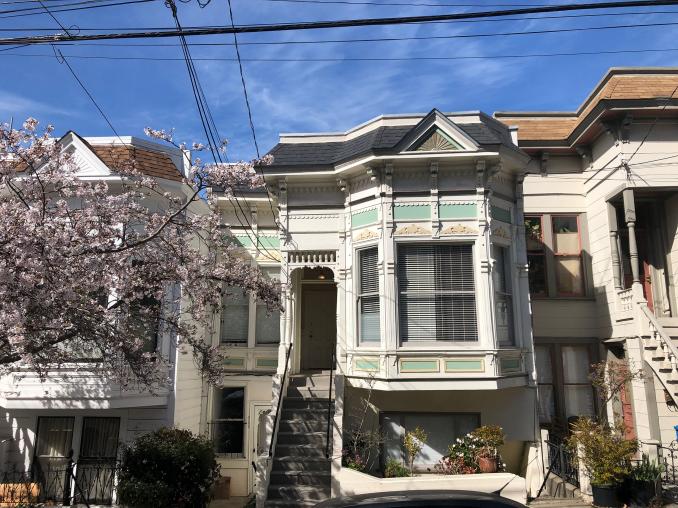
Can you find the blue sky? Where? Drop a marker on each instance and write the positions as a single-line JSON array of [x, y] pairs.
[[313, 96]]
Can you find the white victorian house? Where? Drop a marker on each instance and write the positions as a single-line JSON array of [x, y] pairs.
[[401, 251], [76, 413]]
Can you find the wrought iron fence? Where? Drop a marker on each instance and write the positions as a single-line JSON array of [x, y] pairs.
[[668, 459], [86, 483], [562, 462]]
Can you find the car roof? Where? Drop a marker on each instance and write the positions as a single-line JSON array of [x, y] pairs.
[[460, 498]]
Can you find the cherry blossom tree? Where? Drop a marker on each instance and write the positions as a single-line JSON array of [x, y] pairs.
[[92, 272]]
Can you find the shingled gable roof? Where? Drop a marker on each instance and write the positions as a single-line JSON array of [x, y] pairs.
[[155, 163], [486, 134]]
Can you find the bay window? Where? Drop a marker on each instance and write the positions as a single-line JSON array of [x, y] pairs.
[[368, 296], [567, 254], [503, 295], [436, 292]]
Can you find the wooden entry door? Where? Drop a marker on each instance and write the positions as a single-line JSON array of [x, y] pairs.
[[318, 325]]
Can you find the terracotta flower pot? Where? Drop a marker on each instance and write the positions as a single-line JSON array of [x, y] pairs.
[[487, 464]]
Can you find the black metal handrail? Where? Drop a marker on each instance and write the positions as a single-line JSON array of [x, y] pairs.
[[280, 398], [329, 400]]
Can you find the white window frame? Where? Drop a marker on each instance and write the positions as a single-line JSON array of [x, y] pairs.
[[357, 283]]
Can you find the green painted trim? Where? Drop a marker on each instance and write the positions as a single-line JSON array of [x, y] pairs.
[[428, 365], [242, 240], [269, 242], [413, 212], [501, 214], [366, 364], [234, 362], [457, 210], [364, 217], [266, 363], [509, 365], [465, 365]]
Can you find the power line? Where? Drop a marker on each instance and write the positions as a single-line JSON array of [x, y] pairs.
[[209, 126], [315, 25], [242, 80], [83, 8], [380, 39], [58, 6], [249, 110], [399, 4], [357, 59], [488, 20]]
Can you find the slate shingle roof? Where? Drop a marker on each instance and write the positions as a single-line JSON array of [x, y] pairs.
[[380, 141]]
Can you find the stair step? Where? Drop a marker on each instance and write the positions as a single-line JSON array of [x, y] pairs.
[[308, 392], [321, 381], [303, 464], [298, 492], [299, 403], [307, 478], [318, 438], [275, 503], [302, 425], [299, 450], [318, 415]]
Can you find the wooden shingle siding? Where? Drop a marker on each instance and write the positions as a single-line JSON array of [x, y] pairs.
[[147, 162], [556, 127]]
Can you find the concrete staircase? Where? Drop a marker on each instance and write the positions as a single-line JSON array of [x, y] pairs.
[[301, 472]]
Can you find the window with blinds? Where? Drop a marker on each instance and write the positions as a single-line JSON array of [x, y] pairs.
[[267, 324], [503, 295], [235, 314], [436, 293], [368, 296]]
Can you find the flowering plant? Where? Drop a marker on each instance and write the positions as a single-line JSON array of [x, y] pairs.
[[461, 456]]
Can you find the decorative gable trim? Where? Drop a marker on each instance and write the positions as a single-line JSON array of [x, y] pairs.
[[436, 141], [436, 124]]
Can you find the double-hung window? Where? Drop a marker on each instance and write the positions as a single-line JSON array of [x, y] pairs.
[[228, 426], [267, 324], [368, 296], [235, 315], [554, 255], [436, 293], [503, 297]]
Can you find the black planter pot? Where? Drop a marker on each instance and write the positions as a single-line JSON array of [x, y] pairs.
[[606, 496], [639, 492]]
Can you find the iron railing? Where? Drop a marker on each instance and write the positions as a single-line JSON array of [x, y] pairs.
[[329, 400], [562, 462], [668, 460], [276, 419], [88, 482]]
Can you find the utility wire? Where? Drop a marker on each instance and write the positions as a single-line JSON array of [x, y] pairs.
[[62, 59], [249, 112], [361, 59], [489, 20], [83, 8], [375, 39], [210, 129], [346, 23], [399, 4], [91, 3]]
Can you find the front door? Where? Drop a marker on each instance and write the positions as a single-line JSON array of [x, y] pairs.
[[256, 439], [318, 325]]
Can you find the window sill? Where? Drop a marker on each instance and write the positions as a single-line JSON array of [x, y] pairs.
[[563, 298]]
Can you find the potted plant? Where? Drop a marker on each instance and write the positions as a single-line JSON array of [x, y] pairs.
[[490, 438], [643, 483], [605, 456]]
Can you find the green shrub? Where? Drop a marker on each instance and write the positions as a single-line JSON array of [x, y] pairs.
[[606, 455], [395, 469], [646, 470], [170, 467]]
